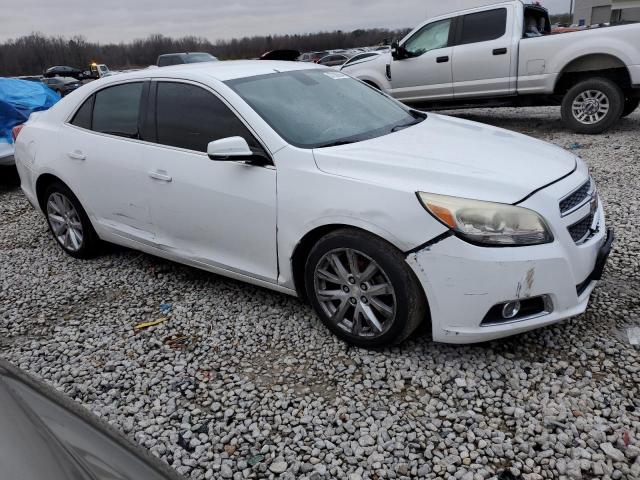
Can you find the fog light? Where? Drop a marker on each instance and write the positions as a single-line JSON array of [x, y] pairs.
[[511, 309]]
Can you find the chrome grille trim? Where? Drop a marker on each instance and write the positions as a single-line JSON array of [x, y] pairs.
[[577, 198]]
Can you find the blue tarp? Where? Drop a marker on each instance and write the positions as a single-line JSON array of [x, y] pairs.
[[18, 98]]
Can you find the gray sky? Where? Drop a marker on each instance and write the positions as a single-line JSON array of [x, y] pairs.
[[123, 20]]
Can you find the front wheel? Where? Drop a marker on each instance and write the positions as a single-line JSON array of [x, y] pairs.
[[592, 106], [363, 289], [630, 106]]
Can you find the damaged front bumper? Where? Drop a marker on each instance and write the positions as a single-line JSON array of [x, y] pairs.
[[465, 283]]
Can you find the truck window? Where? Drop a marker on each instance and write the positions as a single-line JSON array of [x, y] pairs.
[[483, 26], [431, 36]]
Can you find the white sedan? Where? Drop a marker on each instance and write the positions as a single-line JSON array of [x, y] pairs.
[[301, 179]]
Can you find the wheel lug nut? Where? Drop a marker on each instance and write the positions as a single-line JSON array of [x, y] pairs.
[[364, 287], [353, 300], [345, 289], [352, 280], [364, 300]]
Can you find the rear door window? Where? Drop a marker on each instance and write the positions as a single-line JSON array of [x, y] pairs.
[[190, 117], [116, 110], [483, 26]]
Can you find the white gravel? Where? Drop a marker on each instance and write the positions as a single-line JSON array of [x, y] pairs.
[[241, 382]]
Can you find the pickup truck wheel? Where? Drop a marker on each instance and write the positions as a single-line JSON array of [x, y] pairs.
[[630, 105], [592, 106]]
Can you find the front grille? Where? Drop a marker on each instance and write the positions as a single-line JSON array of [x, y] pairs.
[[576, 198], [581, 230]]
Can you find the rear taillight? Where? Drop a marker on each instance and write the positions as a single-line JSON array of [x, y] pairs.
[[15, 131]]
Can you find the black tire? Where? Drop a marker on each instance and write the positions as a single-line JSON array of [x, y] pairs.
[[630, 106], [90, 243], [614, 96], [409, 299]]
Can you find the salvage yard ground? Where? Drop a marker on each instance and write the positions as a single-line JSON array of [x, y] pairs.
[[241, 382]]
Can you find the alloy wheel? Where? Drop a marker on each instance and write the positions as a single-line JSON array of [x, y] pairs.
[[355, 293], [590, 107], [65, 222]]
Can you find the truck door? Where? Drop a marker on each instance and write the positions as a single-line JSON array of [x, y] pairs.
[[485, 54], [423, 71]]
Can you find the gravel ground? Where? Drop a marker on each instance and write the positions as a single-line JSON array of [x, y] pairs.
[[241, 382]]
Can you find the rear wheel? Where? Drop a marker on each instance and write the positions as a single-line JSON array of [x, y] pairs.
[[363, 289], [69, 223], [630, 106], [592, 106]]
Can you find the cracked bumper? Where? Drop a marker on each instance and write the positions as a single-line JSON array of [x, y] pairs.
[[462, 282]]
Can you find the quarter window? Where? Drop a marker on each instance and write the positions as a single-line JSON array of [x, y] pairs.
[[116, 110], [82, 117], [190, 117], [432, 36], [483, 26]]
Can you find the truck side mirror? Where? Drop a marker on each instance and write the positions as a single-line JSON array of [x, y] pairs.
[[398, 52]]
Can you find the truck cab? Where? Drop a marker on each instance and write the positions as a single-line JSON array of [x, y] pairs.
[[463, 54], [98, 70]]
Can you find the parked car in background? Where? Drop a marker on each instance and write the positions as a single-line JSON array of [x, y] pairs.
[[382, 216], [505, 55], [62, 85], [46, 435], [360, 57], [282, 54], [31, 78], [333, 60], [168, 59], [312, 56], [62, 71]]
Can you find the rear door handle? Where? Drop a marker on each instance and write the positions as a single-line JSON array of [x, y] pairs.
[[160, 175], [442, 59], [77, 155], [500, 51]]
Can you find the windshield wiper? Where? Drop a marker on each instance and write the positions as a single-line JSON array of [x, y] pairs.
[[337, 143], [406, 125]]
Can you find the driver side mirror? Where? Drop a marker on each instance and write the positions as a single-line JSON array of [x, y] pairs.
[[398, 52], [233, 149]]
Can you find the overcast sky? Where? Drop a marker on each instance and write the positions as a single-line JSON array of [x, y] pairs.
[[123, 20]]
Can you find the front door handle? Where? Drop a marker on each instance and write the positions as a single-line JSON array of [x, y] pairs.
[[500, 51], [444, 59], [160, 175], [77, 155]]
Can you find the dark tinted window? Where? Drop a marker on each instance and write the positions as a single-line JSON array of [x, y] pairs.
[[115, 110], [190, 117], [82, 118], [484, 26], [168, 60]]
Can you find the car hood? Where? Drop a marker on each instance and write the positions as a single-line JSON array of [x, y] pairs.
[[450, 156]]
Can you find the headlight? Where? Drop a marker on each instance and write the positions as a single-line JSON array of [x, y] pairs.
[[488, 223]]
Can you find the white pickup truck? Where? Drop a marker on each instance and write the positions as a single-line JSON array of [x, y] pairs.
[[505, 55]]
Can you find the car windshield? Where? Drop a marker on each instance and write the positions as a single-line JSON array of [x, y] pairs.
[[322, 108]]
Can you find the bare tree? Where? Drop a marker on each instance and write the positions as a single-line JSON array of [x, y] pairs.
[[34, 53]]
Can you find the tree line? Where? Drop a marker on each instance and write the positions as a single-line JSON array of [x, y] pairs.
[[32, 54]]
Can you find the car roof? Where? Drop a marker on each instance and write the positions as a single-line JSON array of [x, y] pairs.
[[222, 71]]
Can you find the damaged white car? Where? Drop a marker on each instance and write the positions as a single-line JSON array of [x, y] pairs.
[[301, 179]]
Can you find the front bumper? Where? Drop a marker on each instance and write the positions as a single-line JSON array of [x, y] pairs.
[[463, 282]]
